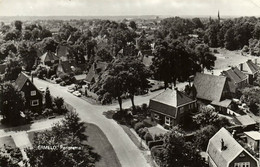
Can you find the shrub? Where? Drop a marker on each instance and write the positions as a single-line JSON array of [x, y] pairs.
[[156, 151], [148, 137], [148, 123], [152, 144], [138, 125], [143, 132], [133, 122]]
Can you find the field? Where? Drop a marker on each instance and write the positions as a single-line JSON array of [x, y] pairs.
[[226, 59], [97, 140]]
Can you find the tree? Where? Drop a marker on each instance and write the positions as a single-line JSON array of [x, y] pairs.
[[206, 116], [13, 69], [59, 101], [49, 44], [178, 153], [18, 25], [205, 58], [28, 54], [10, 156], [136, 80], [48, 98], [27, 34], [104, 55], [62, 136], [12, 104], [230, 42], [132, 24], [203, 135]]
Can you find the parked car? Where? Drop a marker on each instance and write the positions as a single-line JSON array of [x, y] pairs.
[[70, 90], [77, 93]]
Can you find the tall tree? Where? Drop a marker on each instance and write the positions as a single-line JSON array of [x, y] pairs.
[[18, 25], [48, 98], [28, 55], [177, 152], [13, 69], [12, 104], [58, 139]]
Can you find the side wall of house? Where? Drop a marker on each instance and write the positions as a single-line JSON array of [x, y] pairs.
[[242, 158]]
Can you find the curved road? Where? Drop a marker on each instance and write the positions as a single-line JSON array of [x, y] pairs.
[[127, 152]]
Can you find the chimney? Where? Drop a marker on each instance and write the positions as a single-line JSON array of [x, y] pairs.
[[233, 133], [256, 61], [241, 66], [223, 147]]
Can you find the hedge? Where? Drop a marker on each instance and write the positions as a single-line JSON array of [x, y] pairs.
[[151, 144]]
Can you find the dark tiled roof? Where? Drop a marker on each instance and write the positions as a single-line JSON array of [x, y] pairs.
[[209, 87], [20, 81], [95, 72], [253, 67], [167, 101], [66, 67], [62, 51], [223, 157], [234, 75]]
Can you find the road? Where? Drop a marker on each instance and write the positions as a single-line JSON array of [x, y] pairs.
[[128, 154]]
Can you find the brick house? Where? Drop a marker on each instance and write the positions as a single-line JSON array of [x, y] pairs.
[[224, 151], [33, 97], [170, 107], [212, 89], [250, 69], [236, 79]]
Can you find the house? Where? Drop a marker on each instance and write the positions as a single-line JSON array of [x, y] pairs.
[[212, 89], [250, 69], [64, 67], [235, 79], [63, 53], [146, 57], [224, 151], [245, 120], [33, 97], [170, 107], [95, 71], [49, 59], [253, 140]]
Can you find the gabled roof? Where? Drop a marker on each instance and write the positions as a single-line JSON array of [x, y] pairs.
[[245, 120], [48, 56], [62, 51], [96, 69], [249, 67], [253, 134], [20, 81], [253, 67], [209, 87], [65, 65], [235, 74], [167, 101], [222, 158]]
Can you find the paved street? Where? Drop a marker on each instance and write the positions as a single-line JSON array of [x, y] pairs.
[[128, 154]]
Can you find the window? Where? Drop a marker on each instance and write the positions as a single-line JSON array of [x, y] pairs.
[[181, 110], [34, 102], [168, 121], [33, 93], [242, 164], [156, 116]]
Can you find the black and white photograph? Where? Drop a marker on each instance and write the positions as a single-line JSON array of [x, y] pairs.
[[129, 83]]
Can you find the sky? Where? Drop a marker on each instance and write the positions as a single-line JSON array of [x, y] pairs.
[[129, 7]]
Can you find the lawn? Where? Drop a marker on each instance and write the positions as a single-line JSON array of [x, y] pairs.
[[226, 58], [98, 140], [7, 140], [101, 145]]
